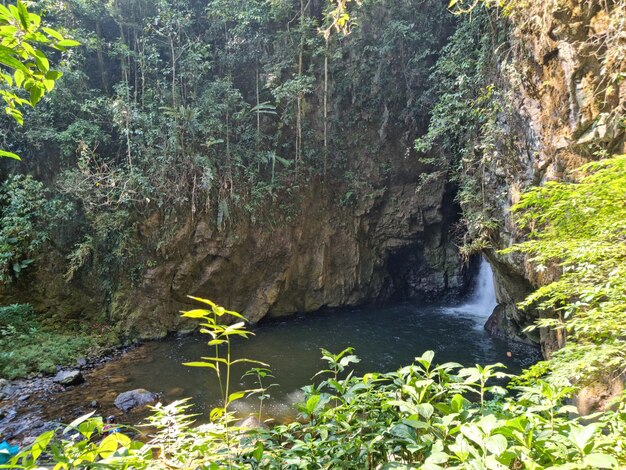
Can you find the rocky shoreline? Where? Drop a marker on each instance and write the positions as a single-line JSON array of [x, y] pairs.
[[31, 406]]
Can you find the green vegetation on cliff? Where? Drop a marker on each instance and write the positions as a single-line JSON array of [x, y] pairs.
[[174, 115], [577, 234]]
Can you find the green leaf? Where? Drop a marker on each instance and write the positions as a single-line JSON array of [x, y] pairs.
[[197, 313], [458, 403], [496, 444], [77, 422], [258, 451], [42, 61], [19, 77], [437, 458], [598, 460], [311, 403], [53, 33], [580, 436], [12, 62], [472, 432], [403, 432], [108, 446], [210, 365], [4, 153], [53, 75], [23, 15], [236, 396], [36, 93], [67, 43], [41, 443]]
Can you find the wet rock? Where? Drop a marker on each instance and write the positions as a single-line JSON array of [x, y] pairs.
[[251, 422], [176, 392], [598, 395], [69, 377], [82, 362], [24, 397], [134, 399]]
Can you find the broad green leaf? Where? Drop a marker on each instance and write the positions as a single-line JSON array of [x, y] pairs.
[[36, 93], [472, 432], [52, 32], [108, 446], [404, 432], [496, 444], [580, 436], [77, 422], [597, 460], [42, 61], [41, 443], [437, 458], [19, 77], [197, 313], [236, 396], [23, 15]]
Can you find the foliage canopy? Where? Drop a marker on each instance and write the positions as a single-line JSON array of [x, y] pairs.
[[577, 231], [25, 66]]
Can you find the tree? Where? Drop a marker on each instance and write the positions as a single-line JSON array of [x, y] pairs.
[[24, 66], [577, 243]]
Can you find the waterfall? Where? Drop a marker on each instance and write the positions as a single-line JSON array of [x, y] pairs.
[[483, 299], [481, 303]]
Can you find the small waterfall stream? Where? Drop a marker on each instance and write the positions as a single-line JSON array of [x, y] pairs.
[[482, 302]]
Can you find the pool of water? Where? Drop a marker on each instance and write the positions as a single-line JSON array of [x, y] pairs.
[[384, 338]]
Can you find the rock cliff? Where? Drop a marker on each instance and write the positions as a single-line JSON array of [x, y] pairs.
[[563, 79], [393, 245]]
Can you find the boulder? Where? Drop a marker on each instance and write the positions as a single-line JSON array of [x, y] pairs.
[[68, 377], [251, 422], [127, 401]]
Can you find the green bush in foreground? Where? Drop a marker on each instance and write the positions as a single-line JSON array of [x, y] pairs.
[[578, 229], [422, 416]]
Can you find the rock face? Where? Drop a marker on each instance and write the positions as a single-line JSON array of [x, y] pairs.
[[567, 102], [69, 377], [132, 399], [362, 235], [394, 244]]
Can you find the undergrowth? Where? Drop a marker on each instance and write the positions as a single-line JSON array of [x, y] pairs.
[[30, 345]]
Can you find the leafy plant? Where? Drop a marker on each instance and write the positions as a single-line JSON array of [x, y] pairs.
[[25, 65], [579, 226], [27, 219]]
